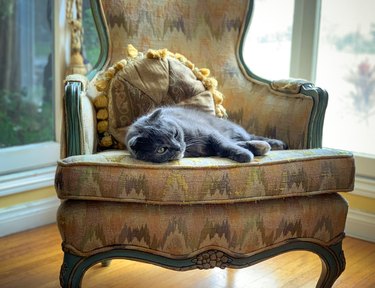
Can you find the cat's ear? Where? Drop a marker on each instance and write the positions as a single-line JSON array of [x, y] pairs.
[[155, 115]]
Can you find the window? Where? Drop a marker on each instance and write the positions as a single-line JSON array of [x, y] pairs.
[[27, 92], [332, 43], [26, 83], [268, 42], [346, 68], [91, 49]]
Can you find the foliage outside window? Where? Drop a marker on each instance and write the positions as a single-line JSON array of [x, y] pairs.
[[91, 44], [346, 69], [26, 56]]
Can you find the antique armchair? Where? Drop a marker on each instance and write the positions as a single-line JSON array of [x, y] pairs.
[[198, 212]]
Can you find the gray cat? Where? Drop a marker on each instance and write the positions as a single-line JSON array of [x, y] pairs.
[[170, 133]]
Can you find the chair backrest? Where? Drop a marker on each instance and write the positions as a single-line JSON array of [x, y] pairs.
[[210, 33]]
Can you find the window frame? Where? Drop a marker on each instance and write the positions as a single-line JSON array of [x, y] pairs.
[[33, 166], [304, 56]]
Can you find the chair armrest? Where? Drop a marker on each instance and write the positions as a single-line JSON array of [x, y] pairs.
[[290, 110], [320, 101], [291, 86], [79, 136]]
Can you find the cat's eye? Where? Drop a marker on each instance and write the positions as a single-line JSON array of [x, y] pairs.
[[161, 150]]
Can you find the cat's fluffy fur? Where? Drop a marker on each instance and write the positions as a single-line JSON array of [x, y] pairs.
[[170, 133]]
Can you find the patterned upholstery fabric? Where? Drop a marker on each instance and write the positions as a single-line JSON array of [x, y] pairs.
[[88, 227], [207, 33], [115, 176]]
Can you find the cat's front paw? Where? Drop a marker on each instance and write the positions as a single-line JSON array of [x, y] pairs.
[[277, 144], [257, 147], [242, 156]]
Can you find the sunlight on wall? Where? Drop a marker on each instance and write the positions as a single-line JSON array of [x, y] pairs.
[[29, 196]]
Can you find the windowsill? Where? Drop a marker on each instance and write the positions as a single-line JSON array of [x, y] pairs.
[[28, 167], [24, 181]]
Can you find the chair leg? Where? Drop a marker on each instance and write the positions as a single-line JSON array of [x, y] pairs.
[[74, 268], [69, 271], [333, 264]]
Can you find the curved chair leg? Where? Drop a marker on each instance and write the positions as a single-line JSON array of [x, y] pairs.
[[333, 264], [68, 269], [74, 267]]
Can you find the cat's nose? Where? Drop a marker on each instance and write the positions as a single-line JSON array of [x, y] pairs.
[[176, 148]]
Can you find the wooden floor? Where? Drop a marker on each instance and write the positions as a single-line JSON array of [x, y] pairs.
[[33, 258]]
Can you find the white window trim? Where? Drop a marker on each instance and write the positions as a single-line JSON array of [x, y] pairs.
[[28, 157], [305, 35], [303, 65], [29, 167], [29, 180]]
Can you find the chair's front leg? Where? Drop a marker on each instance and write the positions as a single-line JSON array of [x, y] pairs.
[[333, 264], [69, 269], [74, 268]]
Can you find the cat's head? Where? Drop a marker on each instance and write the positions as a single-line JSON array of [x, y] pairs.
[[155, 138]]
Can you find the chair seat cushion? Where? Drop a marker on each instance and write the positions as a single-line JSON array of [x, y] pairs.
[[115, 176]]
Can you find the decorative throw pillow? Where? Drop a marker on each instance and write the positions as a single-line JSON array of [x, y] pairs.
[[136, 85]]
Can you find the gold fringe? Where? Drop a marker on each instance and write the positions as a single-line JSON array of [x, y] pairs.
[[106, 141], [180, 57], [189, 64], [205, 72], [101, 101], [102, 126], [102, 114], [218, 97], [220, 111], [198, 74], [132, 51], [157, 54], [210, 83], [110, 73], [119, 65], [101, 85]]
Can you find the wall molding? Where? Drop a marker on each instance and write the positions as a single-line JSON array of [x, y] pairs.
[[28, 215], [364, 187], [360, 225], [28, 180]]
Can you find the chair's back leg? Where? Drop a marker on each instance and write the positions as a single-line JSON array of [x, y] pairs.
[[106, 263]]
